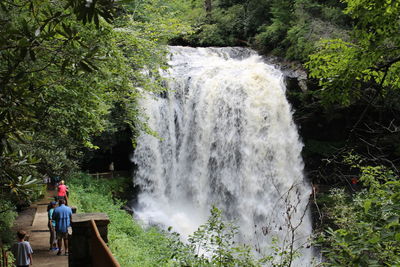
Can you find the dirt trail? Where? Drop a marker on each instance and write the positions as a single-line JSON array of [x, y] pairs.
[[34, 221]]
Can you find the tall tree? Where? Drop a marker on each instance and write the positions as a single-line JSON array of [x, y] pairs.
[[64, 65]]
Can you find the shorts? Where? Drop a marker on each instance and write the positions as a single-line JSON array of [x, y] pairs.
[[62, 235], [60, 197]]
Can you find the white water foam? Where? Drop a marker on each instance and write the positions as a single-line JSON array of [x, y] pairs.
[[227, 138]]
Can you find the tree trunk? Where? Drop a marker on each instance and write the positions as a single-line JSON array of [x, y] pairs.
[[208, 8]]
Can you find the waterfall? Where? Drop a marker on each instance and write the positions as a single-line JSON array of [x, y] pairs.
[[225, 137]]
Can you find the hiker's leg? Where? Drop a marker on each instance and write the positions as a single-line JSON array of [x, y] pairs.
[[66, 244], [59, 242]]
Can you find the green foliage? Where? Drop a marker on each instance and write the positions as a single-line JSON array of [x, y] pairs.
[[213, 244], [367, 66], [366, 224], [282, 17], [46, 56], [210, 34], [280, 256], [18, 182], [129, 242], [134, 246], [298, 25], [225, 28], [337, 58], [64, 67], [10, 258], [40, 44], [285, 28], [7, 217]]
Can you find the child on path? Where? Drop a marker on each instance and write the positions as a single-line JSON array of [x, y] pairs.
[[22, 250]]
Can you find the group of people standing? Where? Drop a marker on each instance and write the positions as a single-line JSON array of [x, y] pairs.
[[59, 222]]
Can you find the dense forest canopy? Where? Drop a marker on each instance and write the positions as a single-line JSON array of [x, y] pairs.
[[71, 72]]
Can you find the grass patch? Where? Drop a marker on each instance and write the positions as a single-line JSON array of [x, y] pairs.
[[131, 244]]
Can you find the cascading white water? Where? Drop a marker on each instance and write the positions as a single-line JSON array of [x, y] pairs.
[[226, 138]]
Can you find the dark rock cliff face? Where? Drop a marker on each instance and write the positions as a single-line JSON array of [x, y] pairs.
[[321, 132], [296, 75], [329, 132], [116, 149]]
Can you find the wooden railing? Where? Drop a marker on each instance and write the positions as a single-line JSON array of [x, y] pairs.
[[110, 174], [101, 254]]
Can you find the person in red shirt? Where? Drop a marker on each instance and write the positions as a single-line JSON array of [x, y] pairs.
[[62, 192]]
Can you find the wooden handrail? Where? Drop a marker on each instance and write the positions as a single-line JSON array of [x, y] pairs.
[[109, 174], [101, 253]]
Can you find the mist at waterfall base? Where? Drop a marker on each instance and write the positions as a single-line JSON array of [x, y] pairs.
[[226, 138]]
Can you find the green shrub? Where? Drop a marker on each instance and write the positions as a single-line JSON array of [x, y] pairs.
[[130, 243], [213, 244], [7, 218], [366, 226]]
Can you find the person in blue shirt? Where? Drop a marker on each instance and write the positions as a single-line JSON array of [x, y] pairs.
[[62, 216]]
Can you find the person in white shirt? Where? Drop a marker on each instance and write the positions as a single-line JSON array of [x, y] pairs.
[[22, 250]]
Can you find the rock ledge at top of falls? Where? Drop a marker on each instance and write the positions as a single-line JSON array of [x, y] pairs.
[[293, 70]]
